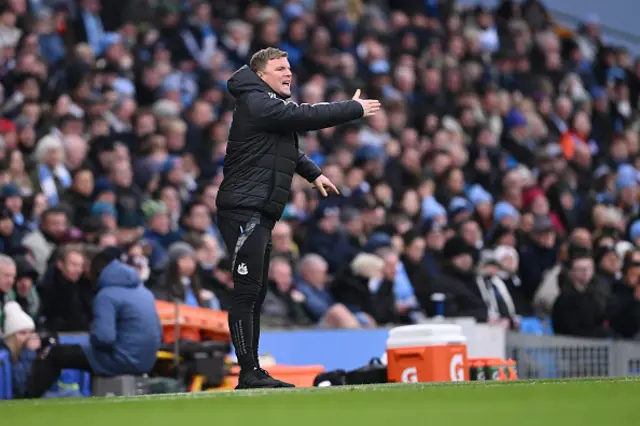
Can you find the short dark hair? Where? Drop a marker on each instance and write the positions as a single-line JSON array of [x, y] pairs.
[[63, 251], [261, 57], [195, 240], [53, 211]]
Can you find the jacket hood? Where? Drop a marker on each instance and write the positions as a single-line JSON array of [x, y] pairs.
[[117, 274], [244, 80]]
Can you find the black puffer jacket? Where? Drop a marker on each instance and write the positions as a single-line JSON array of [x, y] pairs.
[[263, 153]]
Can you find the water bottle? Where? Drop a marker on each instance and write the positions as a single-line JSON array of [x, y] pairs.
[[438, 300]]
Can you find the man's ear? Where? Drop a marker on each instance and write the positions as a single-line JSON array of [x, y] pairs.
[[260, 74]]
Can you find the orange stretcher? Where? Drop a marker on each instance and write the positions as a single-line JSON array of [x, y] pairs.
[[195, 324], [301, 376]]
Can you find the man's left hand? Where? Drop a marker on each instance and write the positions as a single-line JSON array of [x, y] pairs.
[[322, 183]]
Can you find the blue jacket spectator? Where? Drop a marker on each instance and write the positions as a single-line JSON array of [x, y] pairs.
[[318, 302], [126, 332]]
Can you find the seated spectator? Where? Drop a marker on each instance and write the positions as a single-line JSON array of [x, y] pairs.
[[179, 280], [607, 271], [214, 273], [107, 214], [537, 255], [10, 235], [137, 257], [458, 281], [577, 311], [25, 289], [283, 304], [319, 303], [283, 244], [326, 238], [411, 284], [66, 293], [363, 289], [158, 224], [556, 277], [508, 262], [79, 195], [51, 177], [624, 309], [435, 240], [43, 241], [7, 281], [413, 265], [125, 334], [22, 342], [494, 292]]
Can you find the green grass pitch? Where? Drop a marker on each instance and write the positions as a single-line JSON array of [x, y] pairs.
[[590, 402]]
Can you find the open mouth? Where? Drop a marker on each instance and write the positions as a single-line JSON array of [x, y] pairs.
[[286, 84]]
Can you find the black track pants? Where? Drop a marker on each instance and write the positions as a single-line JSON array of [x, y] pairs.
[[249, 245]]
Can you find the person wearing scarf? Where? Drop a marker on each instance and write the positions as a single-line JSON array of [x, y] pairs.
[[51, 176]]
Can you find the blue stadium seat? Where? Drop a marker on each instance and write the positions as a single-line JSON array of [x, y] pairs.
[[73, 378], [535, 326], [6, 387]]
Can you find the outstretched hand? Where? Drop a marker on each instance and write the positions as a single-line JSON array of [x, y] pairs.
[[370, 106], [322, 183]]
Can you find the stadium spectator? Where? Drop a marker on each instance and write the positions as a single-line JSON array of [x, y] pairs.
[[318, 302], [22, 342], [43, 241], [7, 281], [25, 290], [181, 281], [67, 295], [284, 304], [576, 311], [625, 302]]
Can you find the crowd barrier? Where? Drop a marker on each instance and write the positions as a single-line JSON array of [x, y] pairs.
[[555, 357]]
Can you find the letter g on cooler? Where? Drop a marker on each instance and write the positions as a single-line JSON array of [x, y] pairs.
[[456, 368], [409, 375]]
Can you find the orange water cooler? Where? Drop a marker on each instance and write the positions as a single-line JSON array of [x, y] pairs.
[[427, 353]]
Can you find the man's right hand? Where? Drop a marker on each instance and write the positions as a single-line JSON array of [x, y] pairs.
[[370, 106]]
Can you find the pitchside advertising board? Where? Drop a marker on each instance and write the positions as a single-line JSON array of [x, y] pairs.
[[351, 349]]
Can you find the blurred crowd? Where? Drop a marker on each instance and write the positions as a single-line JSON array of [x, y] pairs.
[[500, 181]]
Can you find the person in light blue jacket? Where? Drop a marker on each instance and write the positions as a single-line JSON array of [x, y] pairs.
[[126, 332]]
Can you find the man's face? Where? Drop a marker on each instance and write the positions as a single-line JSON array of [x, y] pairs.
[[281, 273], [281, 236], [610, 263], [463, 262], [277, 74], [160, 223], [55, 225], [72, 266], [582, 272], [199, 219], [546, 239], [316, 275], [7, 277]]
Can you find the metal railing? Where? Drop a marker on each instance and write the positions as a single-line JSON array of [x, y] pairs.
[[571, 357]]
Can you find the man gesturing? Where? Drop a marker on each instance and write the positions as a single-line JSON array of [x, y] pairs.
[[261, 159]]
